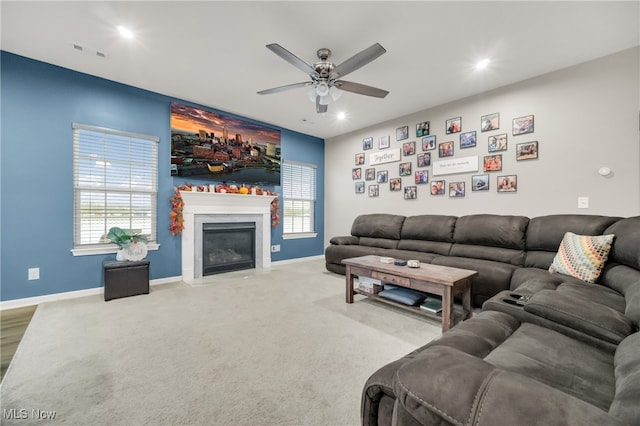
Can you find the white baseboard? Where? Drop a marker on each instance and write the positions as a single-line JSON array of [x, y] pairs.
[[30, 301], [298, 259]]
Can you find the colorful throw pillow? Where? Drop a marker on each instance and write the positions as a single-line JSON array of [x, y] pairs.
[[582, 256]]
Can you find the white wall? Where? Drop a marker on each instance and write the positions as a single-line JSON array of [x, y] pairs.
[[586, 117]]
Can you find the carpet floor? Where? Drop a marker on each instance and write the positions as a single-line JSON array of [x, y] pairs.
[[276, 347]]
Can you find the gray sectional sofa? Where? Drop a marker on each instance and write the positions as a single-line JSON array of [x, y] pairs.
[[547, 348]]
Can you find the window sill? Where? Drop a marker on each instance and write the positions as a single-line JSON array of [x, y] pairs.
[[89, 251], [299, 235]]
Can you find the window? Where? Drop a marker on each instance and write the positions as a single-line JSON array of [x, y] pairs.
[[299, 199], [114, 184]]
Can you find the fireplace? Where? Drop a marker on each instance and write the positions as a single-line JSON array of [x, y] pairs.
[[202, 208], [228, 247]]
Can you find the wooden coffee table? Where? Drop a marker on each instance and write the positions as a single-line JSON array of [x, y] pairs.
[[444, 281]]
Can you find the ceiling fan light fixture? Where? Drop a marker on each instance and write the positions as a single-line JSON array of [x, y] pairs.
[[335, 93], [311, 94], [324, 100], [322, 89]]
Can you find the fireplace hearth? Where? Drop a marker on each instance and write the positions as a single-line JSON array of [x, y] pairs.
[[228, 247]]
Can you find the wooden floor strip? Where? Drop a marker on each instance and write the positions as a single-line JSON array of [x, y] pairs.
[[13, 324]]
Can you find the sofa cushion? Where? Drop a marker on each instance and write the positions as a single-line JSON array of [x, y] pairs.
[[410, 254], [592, 313], [378, 242], [626, 406], [347, 239], [492, 278], [626, 247], [559, 361], [522, 275], [429, 227], [492, 230], [625, 280], [378, 225], [436, 247], [492, 370], [544, 234], [582, 256], [497, 254]]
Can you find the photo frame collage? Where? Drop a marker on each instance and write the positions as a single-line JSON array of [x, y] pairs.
[[412, 171]]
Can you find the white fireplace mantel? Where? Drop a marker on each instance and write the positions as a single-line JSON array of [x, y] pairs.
[[200, 207]]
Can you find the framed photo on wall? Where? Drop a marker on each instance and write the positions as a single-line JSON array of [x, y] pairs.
[[402, 133], [422, 129], [408, 148], [360, 187], [497, 142], [424, 159], [367, 143], [437, 187], [405, 169], [468, 139], [410, 192], [374, 190], [356, 173], [508, 183], [370, 174], [480, 182], [490, 122], [453, 125], [492, 163], [422, 176], [456, 189], [445, 149], [523, 125], [359, 158], [527, 151], [383, 142], [429, 143], [395, 184], [382, 176]]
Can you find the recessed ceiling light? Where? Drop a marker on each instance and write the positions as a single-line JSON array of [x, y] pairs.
[[125, 32], [341, 115], [482, 64]]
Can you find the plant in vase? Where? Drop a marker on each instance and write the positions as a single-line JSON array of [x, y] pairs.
[[124, 239]]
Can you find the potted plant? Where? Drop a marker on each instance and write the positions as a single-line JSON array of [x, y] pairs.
[[123, 239]]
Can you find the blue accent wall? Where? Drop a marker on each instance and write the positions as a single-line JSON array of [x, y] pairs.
[[39, 103]]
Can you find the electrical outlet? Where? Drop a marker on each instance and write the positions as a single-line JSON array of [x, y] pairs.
[[275, 248], [34, 274], [583, 202]]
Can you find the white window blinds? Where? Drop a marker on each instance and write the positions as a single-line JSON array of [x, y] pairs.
[[115, 183], [299, 196]]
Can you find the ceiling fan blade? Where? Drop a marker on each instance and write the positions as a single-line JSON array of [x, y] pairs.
[[319, 107], [291, 58], [361, 89], [359, 60], [285, 87]]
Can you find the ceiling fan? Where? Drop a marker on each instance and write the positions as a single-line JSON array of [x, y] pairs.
[[325, 76]]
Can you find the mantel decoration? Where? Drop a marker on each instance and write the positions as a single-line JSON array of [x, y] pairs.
[[177, 205], [131, 245]]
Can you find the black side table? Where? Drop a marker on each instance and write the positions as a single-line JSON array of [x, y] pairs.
[[127, 278]]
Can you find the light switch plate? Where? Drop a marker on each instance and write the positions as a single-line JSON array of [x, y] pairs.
[[583, 202]]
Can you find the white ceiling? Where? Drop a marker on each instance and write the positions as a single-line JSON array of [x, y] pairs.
[[213, 53]]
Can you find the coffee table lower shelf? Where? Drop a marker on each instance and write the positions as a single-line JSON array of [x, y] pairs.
[[459, 313]]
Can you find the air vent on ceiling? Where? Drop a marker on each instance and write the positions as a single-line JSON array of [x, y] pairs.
[[90, 51]]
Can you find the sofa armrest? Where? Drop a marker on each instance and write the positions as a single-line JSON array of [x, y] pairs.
[[589, 317], [344, 240], [447, 386]]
